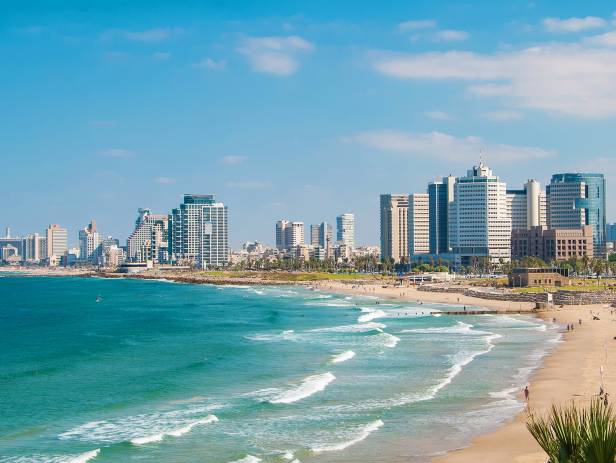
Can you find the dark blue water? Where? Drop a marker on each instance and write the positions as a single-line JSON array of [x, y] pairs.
[[150, 371]]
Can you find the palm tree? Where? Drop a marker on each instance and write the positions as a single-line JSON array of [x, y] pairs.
[[576, 435]]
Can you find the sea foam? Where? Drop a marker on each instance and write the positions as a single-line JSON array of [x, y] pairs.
[[84, 457], [343, 357], [173, 432], [359, 328], [363, 434], [247, 459], [370, 314], [310, 385]]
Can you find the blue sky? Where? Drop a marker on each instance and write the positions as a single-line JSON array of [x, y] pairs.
[[299, 110]]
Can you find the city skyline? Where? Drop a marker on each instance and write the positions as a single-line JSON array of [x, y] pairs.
[[300, 111]]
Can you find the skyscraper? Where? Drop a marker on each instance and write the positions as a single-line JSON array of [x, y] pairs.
[[290, 234], [578, 199], [394, 227], [149, 239], [441, 194], [527, 207], [90, 244], [345, 230], [199, 232], [281, 227], [480, 221], [419, 224], [57, 241]]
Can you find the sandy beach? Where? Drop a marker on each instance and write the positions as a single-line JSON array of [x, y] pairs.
[[570, 372]]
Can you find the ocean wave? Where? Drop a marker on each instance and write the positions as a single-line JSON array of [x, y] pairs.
[[173, 432], [343, 357], [80, 458], [459, 328], [363, 434], [286, 335], [142, 428], [247, 459], [359, 328], [385, 340], [309, 386], [370, 314]]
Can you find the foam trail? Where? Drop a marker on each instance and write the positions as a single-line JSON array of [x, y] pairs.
[[84, 457], [310, 385], [174, 432], [389, 340], [247, 459], [361, 328], [363, 434], [370, 315], [343, 357], [459, 328]]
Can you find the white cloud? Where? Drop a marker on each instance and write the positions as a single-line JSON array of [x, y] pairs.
[[438, 115], [416, 25], [149, 35], [603, 40], [451, 35], [117, 153], [567, 79], [165, 180], [249, 185], [210, 63], [274, 55], [573, 24], [503, 115], [443, 146], [232, 159], [161, 55]]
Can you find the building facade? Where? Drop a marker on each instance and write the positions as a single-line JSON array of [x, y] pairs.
[[480, 221], [57, 241], [345, 230], [527, 207], [552, 244], [578, 199], [90, 244], [149, 239], [199, 232], [441, 195], [394, 227], [418, 224]]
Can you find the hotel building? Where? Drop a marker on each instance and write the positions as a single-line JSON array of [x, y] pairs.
[[57, 242], [479, 219], [345, 230], [149, 239], [418, 224], [527, 207], [394, 227], [199, 232]]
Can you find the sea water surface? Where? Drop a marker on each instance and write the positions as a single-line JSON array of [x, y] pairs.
[[151, 371]]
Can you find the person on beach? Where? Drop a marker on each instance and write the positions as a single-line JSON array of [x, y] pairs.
[[526, 393], [580, 321], [605, 400]]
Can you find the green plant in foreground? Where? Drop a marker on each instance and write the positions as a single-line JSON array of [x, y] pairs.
[[572, 434]]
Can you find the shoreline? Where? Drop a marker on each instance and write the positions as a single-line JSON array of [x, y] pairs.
[[570, 370]]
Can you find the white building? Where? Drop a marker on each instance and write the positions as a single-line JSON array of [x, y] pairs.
[[480, 221], [289, 234], [281, 227], [34, 248], [527, 207], [418, 224], [199, 232], [90, 244], [149, 239], [57, 241], [394, 227], [345, 230]]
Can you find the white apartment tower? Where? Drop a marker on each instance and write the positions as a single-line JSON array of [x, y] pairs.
[[418, 224], [394, 223], [90, 244], [289, 234], [345, 230], [57, 241], [199, 232], [149, 239], [480, 220], [527, 207]]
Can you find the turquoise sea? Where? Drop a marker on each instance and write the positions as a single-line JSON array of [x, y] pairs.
[[156, 371]]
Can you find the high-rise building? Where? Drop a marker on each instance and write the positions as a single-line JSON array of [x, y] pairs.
[[480, 222], [281, 227], [149, 239], [57, 242], [345, 230], [527, 207], [440, 194], [314, 235], [552, 244], [90, 244], [394, 227], [578, 199], [199, 232], [418, 224], [610, 232], [294, 234], [35, 249], [321, 235]]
